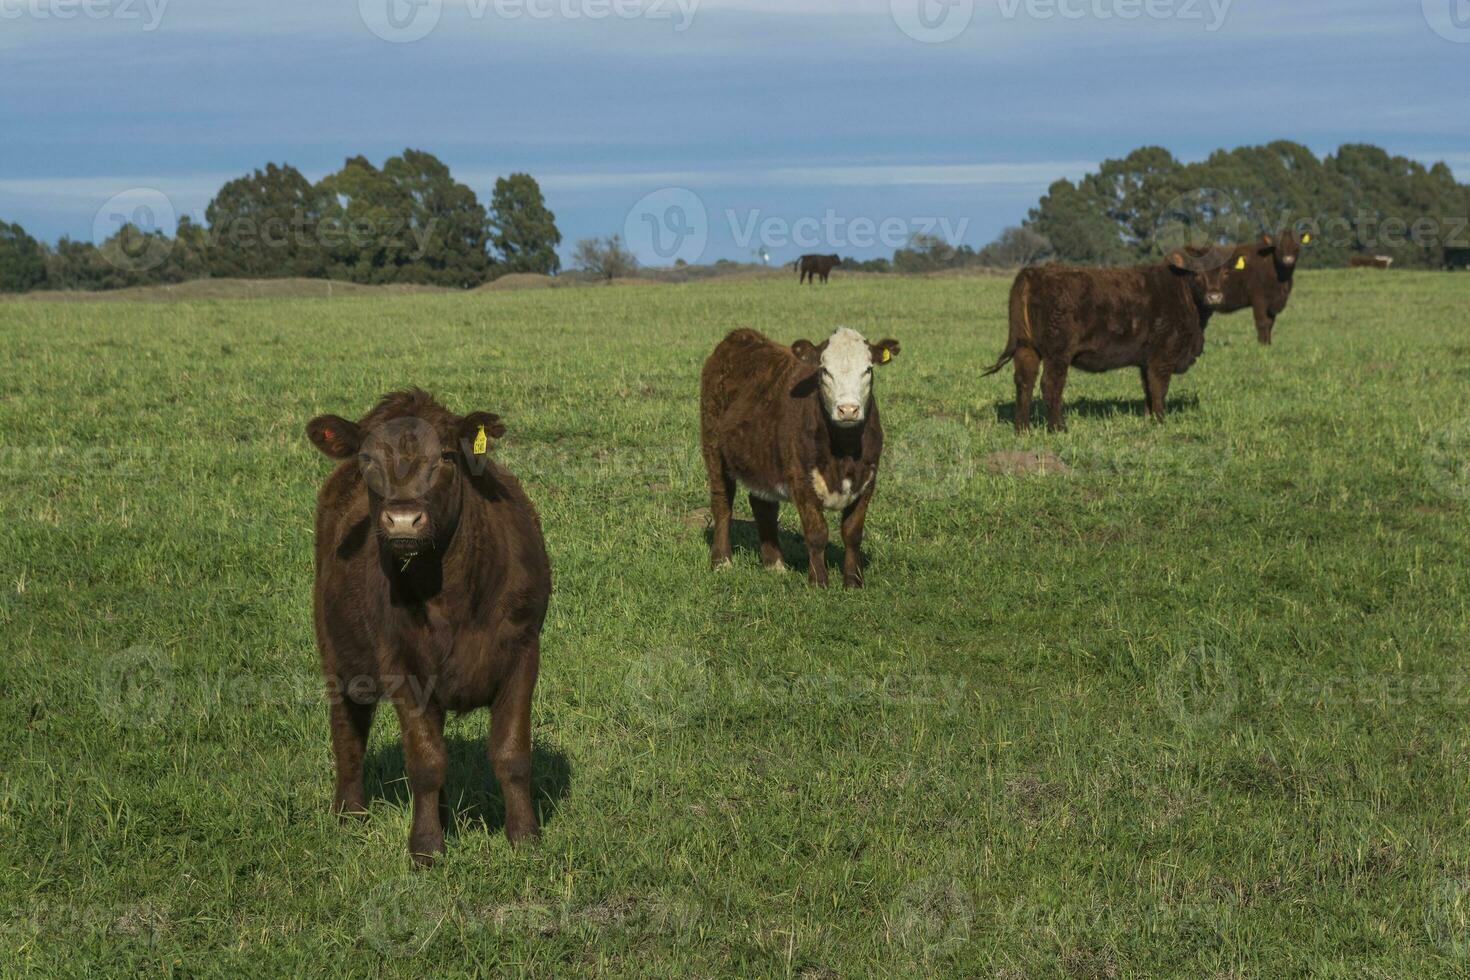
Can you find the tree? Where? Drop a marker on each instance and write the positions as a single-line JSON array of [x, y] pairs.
[[77, 265], [22, 260], [522, 229], [446, 225], [605, 258], [267, 225], [924, 253], [365, 215], [1015, 247]]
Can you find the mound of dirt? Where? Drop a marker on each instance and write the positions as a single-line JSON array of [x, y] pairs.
[[1016, 463], [519, 280]]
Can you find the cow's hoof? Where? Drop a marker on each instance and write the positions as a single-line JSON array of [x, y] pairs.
[[425, 850], [519, 838], [720, 564], [778, 566]]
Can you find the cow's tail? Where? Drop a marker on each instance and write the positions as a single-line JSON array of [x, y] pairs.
[[1020, 322]]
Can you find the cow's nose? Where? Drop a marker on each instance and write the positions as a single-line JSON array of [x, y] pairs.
[[403, 522], [1289, 260], [849, 412], [1215, 299]]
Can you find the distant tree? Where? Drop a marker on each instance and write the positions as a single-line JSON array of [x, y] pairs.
[[445, 231], [267, 225], [190, 256], [22, 260], [522, 230], [1015, 247], [364, 217], [77, 265], [924, 253], [606, 258]]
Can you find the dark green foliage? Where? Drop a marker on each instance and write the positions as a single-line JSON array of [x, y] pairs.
[[1360, 201], [268, 225], [22, 262], [522, 229]]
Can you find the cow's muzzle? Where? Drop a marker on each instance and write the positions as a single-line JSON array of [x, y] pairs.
[[404, 529], [1215, 299], [847, 414]]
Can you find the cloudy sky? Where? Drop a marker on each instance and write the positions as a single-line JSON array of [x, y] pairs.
[[715, 127]]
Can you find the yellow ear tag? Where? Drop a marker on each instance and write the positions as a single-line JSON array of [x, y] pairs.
[[1307, 238], [482, 442], [887, 356], [1240, 263]]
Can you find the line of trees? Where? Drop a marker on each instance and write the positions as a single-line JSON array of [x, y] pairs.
[[409, 221], [1359, 201]]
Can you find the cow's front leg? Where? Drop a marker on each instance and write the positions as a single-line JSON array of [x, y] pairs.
[[351, 722], [814, 529], [1156, 383], [510, 746], [424, 752], [853, 519], [1265, 322]]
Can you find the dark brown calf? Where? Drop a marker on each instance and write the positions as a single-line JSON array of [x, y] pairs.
[[796, 423], [812, 266], [1152, 317], [431, 586], [1260, 276]]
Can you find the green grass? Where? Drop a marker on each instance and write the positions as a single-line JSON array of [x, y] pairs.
[[1197, 707]]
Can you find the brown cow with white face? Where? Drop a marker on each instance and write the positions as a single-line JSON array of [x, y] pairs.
[[431, 587], [796, 424]]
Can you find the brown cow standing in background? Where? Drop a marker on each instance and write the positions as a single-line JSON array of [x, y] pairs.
[[812, 266], [1260, 276], [796, 423], [431, 586], [1152, 317]]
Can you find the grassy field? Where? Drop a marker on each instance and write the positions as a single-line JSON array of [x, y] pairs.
[[1196, 706]]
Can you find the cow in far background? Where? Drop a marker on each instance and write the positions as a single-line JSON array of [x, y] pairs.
[[1456, 257], [812, 266], [1370, 262], [1260, 275]]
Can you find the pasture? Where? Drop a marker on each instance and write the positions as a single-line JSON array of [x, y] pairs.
[[1195, 706]]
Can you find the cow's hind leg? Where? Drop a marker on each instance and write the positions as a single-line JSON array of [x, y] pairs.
[[351, 722], [1053, 380], [768, 526], [510, 746], [1027, 365], [721, 506]]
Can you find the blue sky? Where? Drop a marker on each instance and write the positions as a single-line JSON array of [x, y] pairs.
[[797, 125]]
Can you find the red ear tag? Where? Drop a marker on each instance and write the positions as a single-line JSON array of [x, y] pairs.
[[329, 435]]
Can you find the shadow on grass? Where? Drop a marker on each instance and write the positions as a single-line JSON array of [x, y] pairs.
[[1095, 408], [472, 797], [744, 538]]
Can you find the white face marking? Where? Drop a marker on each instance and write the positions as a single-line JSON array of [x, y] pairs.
[[847, 377]]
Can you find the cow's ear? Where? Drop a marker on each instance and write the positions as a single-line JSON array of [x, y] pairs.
[[477, 433], [334, 436], [1266, 245], [807, 352], [884, 350], [1178, 262]]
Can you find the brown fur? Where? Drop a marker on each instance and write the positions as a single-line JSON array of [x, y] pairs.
[[1370, 262], [454, 627], [1264, 286], [812, 266], [1152, 317], [762, 424]]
